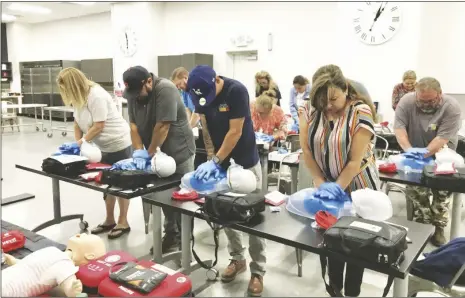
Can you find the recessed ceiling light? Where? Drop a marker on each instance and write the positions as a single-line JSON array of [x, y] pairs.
[[29, 8], [8, 17], [84, 3]]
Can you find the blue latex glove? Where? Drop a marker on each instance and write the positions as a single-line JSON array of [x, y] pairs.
[[125, 164], [282, 150], [71, 148], [331, 191], [140, 158], [207, 169], [417, 151]]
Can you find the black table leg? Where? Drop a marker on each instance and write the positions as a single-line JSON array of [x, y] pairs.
[[57, 218]]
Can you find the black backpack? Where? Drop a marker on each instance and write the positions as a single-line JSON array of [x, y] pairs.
[[222, 210]]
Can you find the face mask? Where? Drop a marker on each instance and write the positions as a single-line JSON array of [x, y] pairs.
[[427, 108]]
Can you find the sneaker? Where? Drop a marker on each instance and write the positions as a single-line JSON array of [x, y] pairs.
[[438, 238], [233, 269], [255, 288]]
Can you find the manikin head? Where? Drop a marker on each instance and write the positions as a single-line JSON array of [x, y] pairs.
[[83, 248]]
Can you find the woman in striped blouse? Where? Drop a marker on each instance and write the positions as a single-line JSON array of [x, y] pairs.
[[337, 133]]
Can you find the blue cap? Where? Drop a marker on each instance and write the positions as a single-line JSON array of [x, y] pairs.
[[201, 85]]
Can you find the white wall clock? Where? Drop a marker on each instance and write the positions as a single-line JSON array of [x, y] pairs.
[[375, 23], [128, 41]]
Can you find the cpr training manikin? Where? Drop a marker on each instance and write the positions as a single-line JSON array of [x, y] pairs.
[[50, 267]]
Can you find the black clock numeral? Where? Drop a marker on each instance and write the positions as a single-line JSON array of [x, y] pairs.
[[358, 28], [364, 36], [395, 19], [383, 36], [356, 20], [392, 28], [372, 39], [394, 8], [360, 9], [368, 3]]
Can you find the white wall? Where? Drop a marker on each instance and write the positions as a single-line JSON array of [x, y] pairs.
[[306, 36], [18, 35], [87, 37]]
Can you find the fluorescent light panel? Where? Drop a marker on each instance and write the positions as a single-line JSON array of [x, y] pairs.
[[8, 17], [29, 8]]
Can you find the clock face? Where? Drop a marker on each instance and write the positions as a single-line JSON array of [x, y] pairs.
[[128, 42], [376, 22]]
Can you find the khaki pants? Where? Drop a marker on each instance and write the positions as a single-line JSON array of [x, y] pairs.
[[257, 245]]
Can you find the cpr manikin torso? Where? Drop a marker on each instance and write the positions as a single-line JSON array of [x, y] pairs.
[[49, 267]]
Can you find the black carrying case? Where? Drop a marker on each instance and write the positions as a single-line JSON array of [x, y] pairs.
[[453, 182], [221, 210], [71, 169], [127, 180], [371, 241]]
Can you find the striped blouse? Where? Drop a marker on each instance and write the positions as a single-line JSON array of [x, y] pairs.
[[330, 143]]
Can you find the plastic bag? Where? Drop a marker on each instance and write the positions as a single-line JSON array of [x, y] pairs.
[[372, 204], [303, 203], [203, 186], [447, 155]]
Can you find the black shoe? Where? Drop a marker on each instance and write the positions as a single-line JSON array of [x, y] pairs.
[[169, 244]]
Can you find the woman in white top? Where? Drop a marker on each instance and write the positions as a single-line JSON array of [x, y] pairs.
[[97, 120]]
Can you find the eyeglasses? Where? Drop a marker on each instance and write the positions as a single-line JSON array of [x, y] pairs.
[[427, 100]]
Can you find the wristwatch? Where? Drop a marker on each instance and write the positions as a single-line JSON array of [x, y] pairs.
[[216, 159]]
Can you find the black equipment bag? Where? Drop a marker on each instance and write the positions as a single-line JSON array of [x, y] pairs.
[[127, 180], [455, 182], [371, 241], [137, 277], [64, 165], [221, 210]]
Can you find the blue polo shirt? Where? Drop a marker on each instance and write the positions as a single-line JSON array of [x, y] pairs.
[[232, 103]]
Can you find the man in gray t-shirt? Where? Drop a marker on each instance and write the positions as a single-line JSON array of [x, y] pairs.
[[426, 120], [158, 119]]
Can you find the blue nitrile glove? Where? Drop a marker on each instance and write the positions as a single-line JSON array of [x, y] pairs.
[[332, 191], [140, 158], [71, 148], [207, 169], [125, 164], [417, 151], [282, 150], [264, 137]]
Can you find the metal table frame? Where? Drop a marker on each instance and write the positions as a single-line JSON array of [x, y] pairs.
[[63, 128], [29, 106]]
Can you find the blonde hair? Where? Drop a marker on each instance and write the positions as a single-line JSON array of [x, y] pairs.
[[179, 73], [74, 87], [267, 99], [330, 76], [428, 83], [264, 75], [409, 74]]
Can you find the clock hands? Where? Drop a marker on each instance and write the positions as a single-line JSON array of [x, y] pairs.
[[378, 14], [127, 42]]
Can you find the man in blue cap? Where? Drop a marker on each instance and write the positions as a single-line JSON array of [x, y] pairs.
[[223, 106]]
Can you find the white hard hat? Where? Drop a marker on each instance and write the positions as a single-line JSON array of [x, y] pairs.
[[91, 151], [163, 165], [372, 204], [240, 180]]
